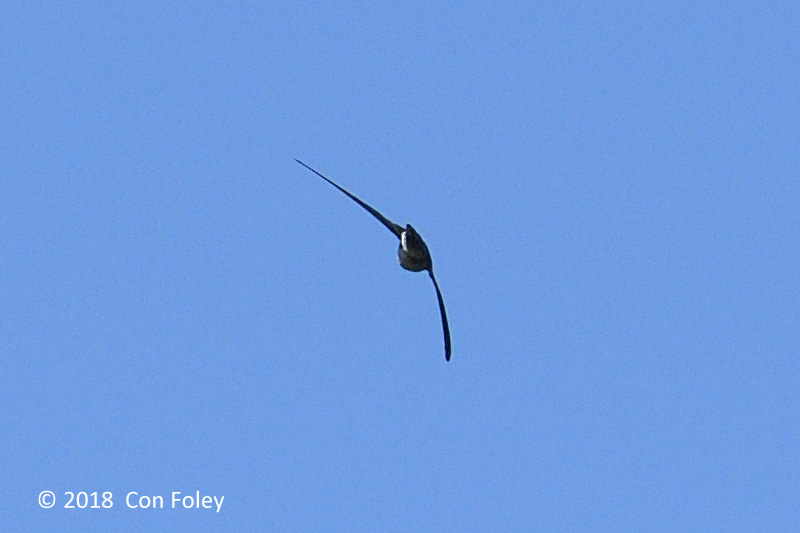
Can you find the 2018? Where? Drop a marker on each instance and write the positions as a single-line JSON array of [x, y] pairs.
[[82, 500]]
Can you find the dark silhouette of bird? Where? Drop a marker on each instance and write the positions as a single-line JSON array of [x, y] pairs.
[[412, 252]]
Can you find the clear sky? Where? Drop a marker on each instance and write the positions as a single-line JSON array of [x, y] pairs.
[[610, 194]]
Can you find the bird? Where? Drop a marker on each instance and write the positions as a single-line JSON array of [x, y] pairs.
[[412, 251]]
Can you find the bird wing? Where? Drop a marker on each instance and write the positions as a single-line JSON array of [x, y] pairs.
[[445, 327], [394, 228]]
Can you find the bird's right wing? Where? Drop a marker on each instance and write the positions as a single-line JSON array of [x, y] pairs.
[[445, 327], [394, 228]]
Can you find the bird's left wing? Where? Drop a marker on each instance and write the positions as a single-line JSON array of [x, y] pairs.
[[394, 228]]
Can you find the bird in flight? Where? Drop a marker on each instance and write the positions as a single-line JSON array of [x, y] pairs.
[[412, 252]]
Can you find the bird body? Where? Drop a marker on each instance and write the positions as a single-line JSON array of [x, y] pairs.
[[412, 252]]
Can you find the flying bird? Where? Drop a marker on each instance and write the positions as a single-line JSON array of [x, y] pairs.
[[412, 252]]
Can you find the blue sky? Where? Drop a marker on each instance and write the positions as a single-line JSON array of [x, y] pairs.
[[610, 194]]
